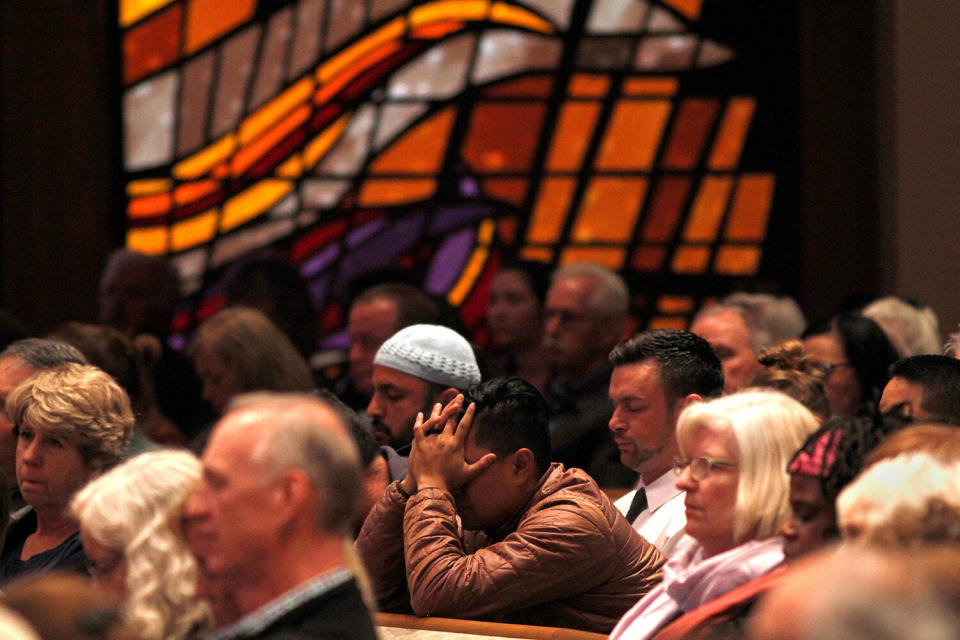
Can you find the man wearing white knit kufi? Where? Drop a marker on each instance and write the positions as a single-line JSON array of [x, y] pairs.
[[419, 366]]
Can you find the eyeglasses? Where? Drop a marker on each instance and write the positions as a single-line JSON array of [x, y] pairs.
[[829, 367], [701, 466]]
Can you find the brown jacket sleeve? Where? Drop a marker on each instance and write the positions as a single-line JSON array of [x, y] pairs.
[[562, 548], [380, 545]]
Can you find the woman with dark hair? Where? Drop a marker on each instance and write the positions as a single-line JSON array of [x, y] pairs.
[[855, 355], [515, 320]]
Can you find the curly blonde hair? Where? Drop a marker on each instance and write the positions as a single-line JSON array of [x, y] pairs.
[[137, 509], [80, 404]]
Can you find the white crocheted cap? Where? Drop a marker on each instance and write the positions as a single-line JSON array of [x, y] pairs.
[[433, 353]]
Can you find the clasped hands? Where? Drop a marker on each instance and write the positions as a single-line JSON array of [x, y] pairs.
[[437, 455]]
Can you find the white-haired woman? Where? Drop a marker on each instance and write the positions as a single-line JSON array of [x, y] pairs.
[[733, 466], [131, 527]]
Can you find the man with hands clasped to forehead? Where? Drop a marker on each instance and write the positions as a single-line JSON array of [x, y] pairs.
[[484, 526]]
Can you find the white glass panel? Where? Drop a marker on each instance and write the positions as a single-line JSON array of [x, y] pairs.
[[346, 20], [503, 53], [194, 103], [380, 8], [394, 118], [438, 73], [286, 207], [148, 110], [557, 11], [662, 20], [306, 39], [666, 53], [323, 194], [191, 267], [712, 54], [350, 152], [236, 244], [236, 63], [272, 56], [617, 16]]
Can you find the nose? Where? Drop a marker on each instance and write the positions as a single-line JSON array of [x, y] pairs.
[[31, 453], [551, 324], [616, 424], [193, 509], [374, 410], [685, 481]]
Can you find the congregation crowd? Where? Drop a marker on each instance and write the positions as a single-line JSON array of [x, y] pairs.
[[751, 477]]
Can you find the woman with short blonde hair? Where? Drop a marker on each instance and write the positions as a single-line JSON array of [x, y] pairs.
[[130, 522]]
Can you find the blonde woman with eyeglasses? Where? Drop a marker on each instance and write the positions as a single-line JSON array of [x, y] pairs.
[[732, 465]]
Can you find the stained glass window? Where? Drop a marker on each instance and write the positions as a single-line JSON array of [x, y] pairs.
[[441, 134]]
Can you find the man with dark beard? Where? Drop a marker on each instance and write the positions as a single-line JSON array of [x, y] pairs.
[[656, 375], [416, 368]]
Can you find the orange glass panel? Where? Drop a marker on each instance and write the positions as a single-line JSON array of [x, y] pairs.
[[148, 206], [583, 85], [512, 190], [152, 45], [731, 134], [502, 137], [377, 192], [191, 191], [149, 240], [609, 210], [148, 186], [650, 86], [691, 259], [675, 304], [648, 258], [550, 212], [197, 230], [668, 322], [537, 254], [751, 208], [668, 204], [420, 150], [248, 156], [707, 209], [267, 115], [737, 261], [207, 20], [633, 135], [529, 87], [612, 257], [574, 128], [689, 131], [689, 8]]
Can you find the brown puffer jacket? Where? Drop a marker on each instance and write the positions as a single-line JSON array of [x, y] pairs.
[[568, 559]]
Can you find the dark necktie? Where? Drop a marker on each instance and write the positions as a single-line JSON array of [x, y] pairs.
[[638, 504]]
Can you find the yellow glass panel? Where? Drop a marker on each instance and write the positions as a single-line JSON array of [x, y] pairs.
[[550, 212], [537, 254], [574, 129], [449, 10], [737, 261], [612, 257], [751, 208], [149, 240], [648, 258], [206, 159], [650, 86], [609, 210], [633, 135], [502, 12], [707, 209], [420, 150], [274, 110], [253, 201], [675, 304], [148, 187], [197, 230], [731, 134], [318, 147], [291, 168], [691, 259], [133, 10], [478, 259], [207, 20], [378, 192], [585, 85], [689, 8], [668, 322]]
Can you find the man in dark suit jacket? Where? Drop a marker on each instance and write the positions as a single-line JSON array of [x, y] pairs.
[[270, 522]]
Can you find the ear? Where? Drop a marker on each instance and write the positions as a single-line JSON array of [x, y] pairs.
[[523, 465], [446, 396], [292, 493]]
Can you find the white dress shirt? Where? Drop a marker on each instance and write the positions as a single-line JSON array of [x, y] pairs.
[[663, 521]]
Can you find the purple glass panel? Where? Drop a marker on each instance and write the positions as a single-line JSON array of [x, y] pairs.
[[448, 261], [320, 261], [381, 250], [360, 234]]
